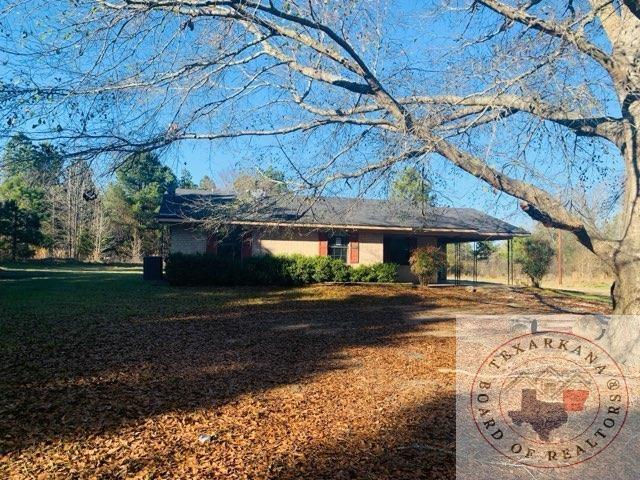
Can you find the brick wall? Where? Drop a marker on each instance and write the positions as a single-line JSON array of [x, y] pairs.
[[187, 239], [305, 242], [371, 247], [285, 242]]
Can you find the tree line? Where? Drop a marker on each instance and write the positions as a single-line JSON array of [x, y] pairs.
[[54, 209]]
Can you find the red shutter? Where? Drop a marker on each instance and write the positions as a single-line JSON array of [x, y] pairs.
[[247, 241], [212, 244], [354, 248], [323, 241]]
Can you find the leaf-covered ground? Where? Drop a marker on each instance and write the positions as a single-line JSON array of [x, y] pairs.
[[105, 376]]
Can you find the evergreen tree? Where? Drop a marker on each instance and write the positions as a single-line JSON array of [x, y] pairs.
[[40, 164], [19, 230], [132, 203], [31, 175], [534, 256], [413, 186], [206, 183], [186, 180]]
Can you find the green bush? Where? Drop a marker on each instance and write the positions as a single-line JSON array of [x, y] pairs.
[[201, 269], [266, 270], [385, 272], [534, 256], [329, 269], [362, 273], [301, 269], [426, 261], [323, 269], [377, 272], [205, 269]]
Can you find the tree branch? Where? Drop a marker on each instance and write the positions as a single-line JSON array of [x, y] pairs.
[[551, 28], [537, 203], [247, 12], [608, 16], [608, 128], [377, 89]]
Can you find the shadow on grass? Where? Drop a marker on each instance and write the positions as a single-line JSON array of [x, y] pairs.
[[67, 263], [549, 298], [590, 297], [90, 353], [67, 376]]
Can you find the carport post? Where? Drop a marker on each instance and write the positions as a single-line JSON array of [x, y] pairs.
[[475, 263], [510, 280], [456, 268]]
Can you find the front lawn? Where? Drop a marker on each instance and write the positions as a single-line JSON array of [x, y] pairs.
[[104, 375]]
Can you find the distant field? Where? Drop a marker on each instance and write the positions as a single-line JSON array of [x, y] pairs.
[[595, 289], [104, 375]]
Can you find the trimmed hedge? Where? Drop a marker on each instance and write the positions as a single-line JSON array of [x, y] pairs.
[[377, 272], [205, 269]]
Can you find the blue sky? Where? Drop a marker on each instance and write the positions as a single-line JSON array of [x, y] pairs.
[[423, 38]]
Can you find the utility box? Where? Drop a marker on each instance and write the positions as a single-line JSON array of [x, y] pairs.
[[152, 268]]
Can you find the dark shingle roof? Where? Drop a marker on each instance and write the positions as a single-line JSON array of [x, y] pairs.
[[190, 205]]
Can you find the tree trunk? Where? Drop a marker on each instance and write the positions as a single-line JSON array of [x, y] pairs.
[[622, 337], [14, 234], [627, 287], [136, 246], [623, 334], [98, 231]]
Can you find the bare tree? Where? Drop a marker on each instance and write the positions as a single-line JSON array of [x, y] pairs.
[[337, 77], [98, 227], [71, 205]]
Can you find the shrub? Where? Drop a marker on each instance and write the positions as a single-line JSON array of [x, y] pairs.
[[534, 257], [362, 273], [426, 261], [323, 269], [301, 269], [304, 270], [385, 272], [201, 269], [266, 270], [206, 269], [340, 271], [376, 272]]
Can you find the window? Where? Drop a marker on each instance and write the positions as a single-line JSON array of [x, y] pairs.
[[397, 249], [338, 246]]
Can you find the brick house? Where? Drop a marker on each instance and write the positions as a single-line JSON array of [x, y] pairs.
[[358, 231]]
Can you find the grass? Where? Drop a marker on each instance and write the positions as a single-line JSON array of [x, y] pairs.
[[588, 296], [107, 376], [38, 299], [83, 291]]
